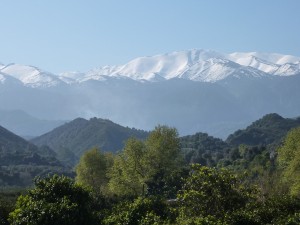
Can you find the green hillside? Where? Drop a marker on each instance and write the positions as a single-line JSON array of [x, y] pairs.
[[21, 161], [269, 129], [252, 147], [79, 135]]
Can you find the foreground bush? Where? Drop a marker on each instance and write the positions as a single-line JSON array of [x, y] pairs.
[[54, 200]]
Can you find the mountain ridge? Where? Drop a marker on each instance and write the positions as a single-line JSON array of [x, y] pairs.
[[207, 63]]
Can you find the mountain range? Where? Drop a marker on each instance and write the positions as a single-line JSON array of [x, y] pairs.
[[193, 90]]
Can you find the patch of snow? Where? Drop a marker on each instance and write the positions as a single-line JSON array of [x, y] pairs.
[[288, 69]]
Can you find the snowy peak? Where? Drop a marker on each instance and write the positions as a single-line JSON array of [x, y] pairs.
[[269, 63], [201, 65], [31, 76], [156, 68]]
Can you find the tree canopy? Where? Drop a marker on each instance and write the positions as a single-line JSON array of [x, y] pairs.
[[54, 200], [140, 162], [92, 169]]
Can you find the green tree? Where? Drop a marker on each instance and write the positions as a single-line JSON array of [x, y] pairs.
[[144, 163], [289, 160], [92, 169], [211, 193], [128, 173], [163, 151], [54, 200]]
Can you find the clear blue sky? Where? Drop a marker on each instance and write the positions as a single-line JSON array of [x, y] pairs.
[[68, 35]]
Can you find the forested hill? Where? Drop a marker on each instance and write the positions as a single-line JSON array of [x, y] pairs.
[[263, 134], [21, 161], [270, 129], [80, 135]]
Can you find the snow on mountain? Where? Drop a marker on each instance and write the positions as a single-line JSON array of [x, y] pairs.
[[71, 77], [196, 65], [31, 76], [168, 65], [288, 69], [200, 65], [244, 57], [267, 62], [156, 68], [210, 70]]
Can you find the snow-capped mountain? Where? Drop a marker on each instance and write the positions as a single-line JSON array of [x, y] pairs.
[[194, 90], [199, 65], [31, 76], [195, 65]]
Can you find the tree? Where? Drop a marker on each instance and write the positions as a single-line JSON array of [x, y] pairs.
[[163, 150], [92, 169], [54, 200], [289, 160], [128, 173], [211, 193], [143, 163]]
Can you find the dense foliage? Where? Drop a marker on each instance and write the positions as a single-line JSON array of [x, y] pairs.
[[54, 200]]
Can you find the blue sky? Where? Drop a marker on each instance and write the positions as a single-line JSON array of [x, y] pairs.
[[69, 35]]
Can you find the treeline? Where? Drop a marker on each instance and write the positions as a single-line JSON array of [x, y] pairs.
[[150, 182]]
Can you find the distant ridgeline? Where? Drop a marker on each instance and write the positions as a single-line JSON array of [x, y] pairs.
[[59, 150]]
